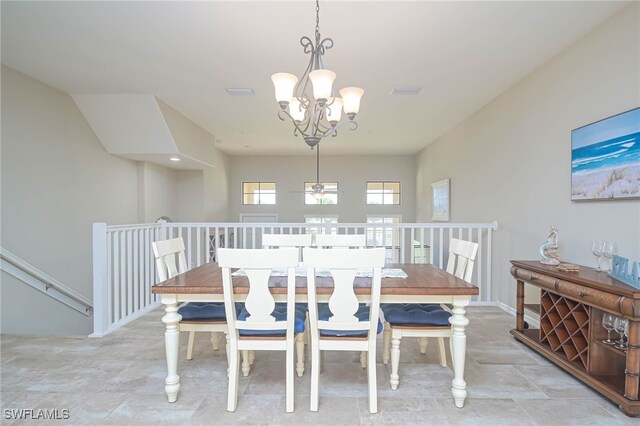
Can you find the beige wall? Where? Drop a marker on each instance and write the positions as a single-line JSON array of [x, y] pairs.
[[510, 161], [57, 180], [159, 189], [351, 173], [202, 194]]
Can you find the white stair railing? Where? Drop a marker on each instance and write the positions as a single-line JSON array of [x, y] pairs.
[[29, 274], [124, 270]]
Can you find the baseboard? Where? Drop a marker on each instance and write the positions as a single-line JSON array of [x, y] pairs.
[[128, 319], [534, 321]]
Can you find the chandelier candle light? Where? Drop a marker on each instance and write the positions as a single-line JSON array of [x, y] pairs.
[[312, 105]]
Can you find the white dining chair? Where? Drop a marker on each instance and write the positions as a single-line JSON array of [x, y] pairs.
[[344, 241], [343, 324], [426, 320], [341, 240], [299, 241], [260, 325], [196, 316], [287, 240]]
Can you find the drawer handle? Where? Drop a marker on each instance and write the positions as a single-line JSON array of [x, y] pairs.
[[582, 294]]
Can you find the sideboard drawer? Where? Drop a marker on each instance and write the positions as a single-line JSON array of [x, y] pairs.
[[590, 296], [543, 281]]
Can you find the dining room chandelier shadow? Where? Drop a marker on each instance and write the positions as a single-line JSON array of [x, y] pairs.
[[310, 102]]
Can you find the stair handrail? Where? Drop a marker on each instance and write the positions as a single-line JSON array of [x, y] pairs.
[[48, 281]]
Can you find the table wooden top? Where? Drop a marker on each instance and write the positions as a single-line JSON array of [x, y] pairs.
[[422, 280], [584, 276]]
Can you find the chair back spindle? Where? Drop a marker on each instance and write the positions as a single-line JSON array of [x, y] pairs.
[[166, 253], [462, 255], [298, 241], [259, 302], [343, 302]]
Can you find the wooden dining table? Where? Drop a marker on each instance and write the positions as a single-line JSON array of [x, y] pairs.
[[424, 284]]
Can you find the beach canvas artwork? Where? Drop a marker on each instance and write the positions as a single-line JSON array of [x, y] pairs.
[[605, 158]]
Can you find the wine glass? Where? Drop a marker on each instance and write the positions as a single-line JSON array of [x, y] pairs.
[[619, 325], [596, 249], [607, 252], [626, 332], [607, 323]]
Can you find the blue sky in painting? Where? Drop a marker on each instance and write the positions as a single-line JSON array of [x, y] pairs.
[[610, 128]]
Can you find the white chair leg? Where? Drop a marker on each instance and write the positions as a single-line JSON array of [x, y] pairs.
[[363, 359], [232, 397], [215, 340], [307, 336], [300, 354], [386, 339], [442, 353], [289, 376], [422, 341], [315, 378], [246, 366], [192, 338], [395, 359], [227, 348], [372, 381]]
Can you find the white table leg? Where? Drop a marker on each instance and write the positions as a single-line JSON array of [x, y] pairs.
[[171, 342], [459, 348]]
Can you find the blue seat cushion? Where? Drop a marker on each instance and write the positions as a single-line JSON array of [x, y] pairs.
[[202, 311], [415, 314], [324, 313], [280, 314]]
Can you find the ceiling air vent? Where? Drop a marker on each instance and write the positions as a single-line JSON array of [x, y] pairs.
[[406, 90], [240, 91]]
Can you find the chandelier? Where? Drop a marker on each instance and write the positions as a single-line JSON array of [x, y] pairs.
[[313, 107], [317, 189]]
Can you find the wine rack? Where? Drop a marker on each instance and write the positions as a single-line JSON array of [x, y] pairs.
[[564, 327], [572, 305]]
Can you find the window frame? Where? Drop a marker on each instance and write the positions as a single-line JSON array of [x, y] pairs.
[[320, 228], [390, 239], [383, 182], [317, 203], [259, 183]]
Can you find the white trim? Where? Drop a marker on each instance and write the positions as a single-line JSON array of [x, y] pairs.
[[534, 322], [250, 215], [127, 319]]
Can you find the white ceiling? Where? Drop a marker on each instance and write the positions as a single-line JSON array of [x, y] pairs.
[[462, 54]]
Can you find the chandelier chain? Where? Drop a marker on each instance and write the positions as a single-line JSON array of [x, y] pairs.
[[317, 19]]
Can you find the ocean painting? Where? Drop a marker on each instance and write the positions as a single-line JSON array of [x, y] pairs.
[[605, 158]]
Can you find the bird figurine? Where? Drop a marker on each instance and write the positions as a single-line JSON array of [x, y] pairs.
[[549, 249]]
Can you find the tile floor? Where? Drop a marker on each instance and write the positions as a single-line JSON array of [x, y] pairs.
[[119, 379]]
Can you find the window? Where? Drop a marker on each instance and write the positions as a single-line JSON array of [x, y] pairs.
[[258, 192], [383, 192], [320, 220], [389, 238], [331, 198]]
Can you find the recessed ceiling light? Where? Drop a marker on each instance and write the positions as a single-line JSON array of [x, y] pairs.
[[240, 91], [174, 159], [406, 90]]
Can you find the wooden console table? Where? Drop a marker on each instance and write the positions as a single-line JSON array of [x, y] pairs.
[[571, 332]]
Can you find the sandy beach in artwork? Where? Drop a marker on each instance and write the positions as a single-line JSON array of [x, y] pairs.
[[622, 182]]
